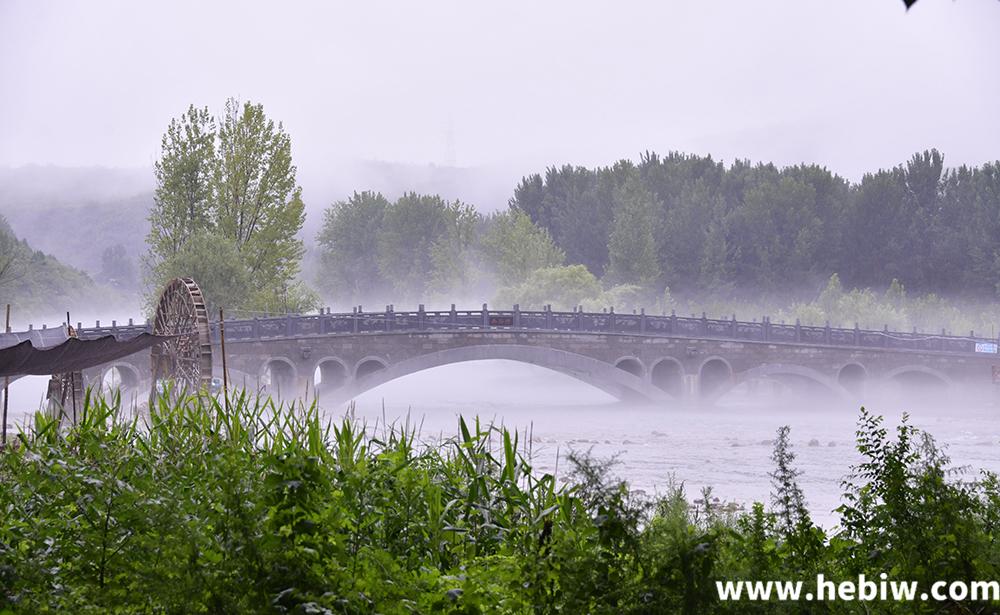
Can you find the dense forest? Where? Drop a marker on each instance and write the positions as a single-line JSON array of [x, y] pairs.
[[690, 222], [917, 245]]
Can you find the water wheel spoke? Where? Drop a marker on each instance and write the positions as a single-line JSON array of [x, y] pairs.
[[181, 312]]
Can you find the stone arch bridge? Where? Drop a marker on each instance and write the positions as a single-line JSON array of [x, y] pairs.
[[660, 359]]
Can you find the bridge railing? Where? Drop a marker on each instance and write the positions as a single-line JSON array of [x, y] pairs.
[[357, 322]]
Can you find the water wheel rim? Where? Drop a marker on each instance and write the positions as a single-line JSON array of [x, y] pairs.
[[186, 359]]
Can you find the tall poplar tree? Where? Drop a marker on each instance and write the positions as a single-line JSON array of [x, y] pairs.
[[232, 183]]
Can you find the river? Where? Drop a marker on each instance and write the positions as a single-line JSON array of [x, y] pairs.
[[727, 447]]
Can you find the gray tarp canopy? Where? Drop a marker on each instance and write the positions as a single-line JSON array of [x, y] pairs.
[[51, 351]]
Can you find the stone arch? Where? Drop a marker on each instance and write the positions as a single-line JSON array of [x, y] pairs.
[[121, 376], [778, 370], [918, 376], [715, 377], [601, 374], [667, 374], [632, 365], [278, 376], [330, 374], [852, 377], [368, 366]]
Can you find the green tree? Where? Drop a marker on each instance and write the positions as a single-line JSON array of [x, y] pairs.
[[632, 246], [256, 202], [416, 231], [11, 264], [232, 182], [562, 287], [348, 248], [216, 264], [514, 246], [182, 199], [117, 267]]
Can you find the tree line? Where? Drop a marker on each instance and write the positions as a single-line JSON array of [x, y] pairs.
[[666, 232], [689, 222]]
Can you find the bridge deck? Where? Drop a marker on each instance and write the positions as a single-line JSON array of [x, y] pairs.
[[600, 322]]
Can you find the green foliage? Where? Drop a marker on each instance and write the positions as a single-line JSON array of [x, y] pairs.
[[266, 509], [632, 250], [419, 235], [215, 262], [754, 227], [894, 308], [255, 200], [349, 248], [229, 181], [182, 200], [415, 248], [117, 268], [32, 280], [515, 246], [562, 287]]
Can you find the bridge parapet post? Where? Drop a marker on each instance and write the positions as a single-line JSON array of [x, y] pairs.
[[642, 320], [548, 316], [798, 330], [421, 316], [517, 316], [453, 317], [732, 326], [765, 328], [486, 317], [355, 317], [857, 335], [611, 319], [389, 316], [885, 336], [704, 324], [826, 333], [673, 321], [579, 317]]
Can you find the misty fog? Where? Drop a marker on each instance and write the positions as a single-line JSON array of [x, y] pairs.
[[464, 101]]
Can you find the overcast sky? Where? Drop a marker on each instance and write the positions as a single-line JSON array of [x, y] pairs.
[[850, 84]]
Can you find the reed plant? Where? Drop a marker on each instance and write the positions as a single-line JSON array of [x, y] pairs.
[[266, 508]]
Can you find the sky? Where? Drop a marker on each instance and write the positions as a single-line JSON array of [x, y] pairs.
[[853, 85]]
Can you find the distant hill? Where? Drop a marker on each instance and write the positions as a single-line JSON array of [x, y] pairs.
[[75, 213], [33, 281]]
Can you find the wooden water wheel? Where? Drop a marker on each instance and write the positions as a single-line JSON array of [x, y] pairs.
[[182, 364], [64, 396]]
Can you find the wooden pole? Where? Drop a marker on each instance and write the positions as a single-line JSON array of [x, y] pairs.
[[6, 385], [72, 375], [225, 374]]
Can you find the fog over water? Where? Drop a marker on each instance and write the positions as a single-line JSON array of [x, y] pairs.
[[463, 99], [727, 447]]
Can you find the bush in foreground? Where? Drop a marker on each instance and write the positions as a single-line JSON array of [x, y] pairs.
[[265, 509]]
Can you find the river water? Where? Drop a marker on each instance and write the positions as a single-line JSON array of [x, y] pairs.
[[727, 447]]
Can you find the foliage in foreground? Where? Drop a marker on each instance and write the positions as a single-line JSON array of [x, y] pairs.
[[263, 509]]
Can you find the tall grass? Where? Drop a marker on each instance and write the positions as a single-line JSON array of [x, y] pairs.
[[267, 508]]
